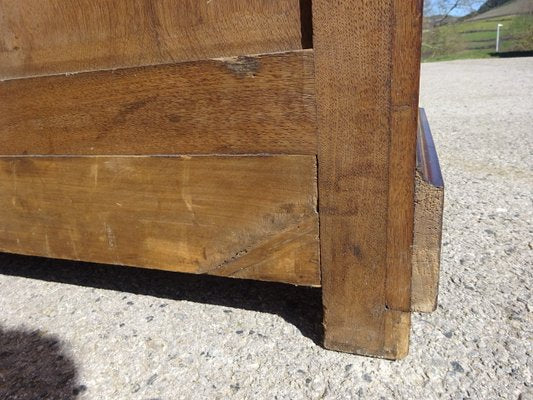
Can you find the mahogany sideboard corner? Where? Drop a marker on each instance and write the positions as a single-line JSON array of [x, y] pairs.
[[257, 139]]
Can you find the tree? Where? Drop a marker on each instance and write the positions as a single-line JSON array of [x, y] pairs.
[[443, 9]]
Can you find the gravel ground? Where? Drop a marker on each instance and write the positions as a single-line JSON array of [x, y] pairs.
[[72, 330]]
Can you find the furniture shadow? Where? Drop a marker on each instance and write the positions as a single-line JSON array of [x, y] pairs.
[[299, 306], [35, 366]]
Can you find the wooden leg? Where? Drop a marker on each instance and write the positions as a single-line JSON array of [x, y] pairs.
[[367, 56]]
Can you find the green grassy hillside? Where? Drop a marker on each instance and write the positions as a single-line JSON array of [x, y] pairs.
[[477, 39]]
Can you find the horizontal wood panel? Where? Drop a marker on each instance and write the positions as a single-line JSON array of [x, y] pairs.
[[39, 37], [246, 217], [244, 105]]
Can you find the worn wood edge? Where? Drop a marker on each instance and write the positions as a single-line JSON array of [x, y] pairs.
[[397, 325], [300, 239], [429, 206], [235, 59], [268, 128], [254, 271]]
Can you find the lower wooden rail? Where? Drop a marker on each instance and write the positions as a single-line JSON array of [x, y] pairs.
[[245, 217]]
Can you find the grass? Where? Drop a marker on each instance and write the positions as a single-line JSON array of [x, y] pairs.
[[477, 39]]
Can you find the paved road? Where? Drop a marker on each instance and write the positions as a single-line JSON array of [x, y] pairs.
[[80, 331]]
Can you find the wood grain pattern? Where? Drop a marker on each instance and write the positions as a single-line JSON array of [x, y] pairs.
[[429, 204], [245, 217], [364, 118], [405, 80], [40, 37], [243, 105]]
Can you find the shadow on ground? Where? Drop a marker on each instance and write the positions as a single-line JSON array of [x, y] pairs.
[[300, 306], [35, 366]]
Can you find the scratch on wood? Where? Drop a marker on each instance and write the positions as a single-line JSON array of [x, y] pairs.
[[73, 244], [227, 261], [94, 173], [47, 245], [111, 239], [184, 189], [14, 175]]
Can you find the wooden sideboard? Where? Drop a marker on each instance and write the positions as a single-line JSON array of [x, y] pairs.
[[258, 139]]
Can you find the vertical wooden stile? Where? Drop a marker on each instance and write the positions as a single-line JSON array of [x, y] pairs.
[[366, 63]]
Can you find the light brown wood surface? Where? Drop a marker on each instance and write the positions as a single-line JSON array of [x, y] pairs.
[[246, 217], [429, 204], [406, 42], [429, 201], [39, 37], [245, 105], [365, 122]]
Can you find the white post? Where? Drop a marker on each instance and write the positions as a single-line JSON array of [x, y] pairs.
[[498, 38]]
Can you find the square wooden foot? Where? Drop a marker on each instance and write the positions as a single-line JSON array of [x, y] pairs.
[[385, 336]]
